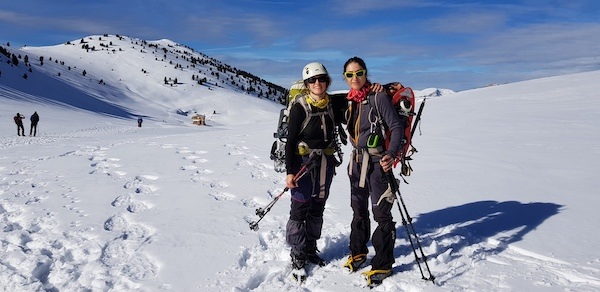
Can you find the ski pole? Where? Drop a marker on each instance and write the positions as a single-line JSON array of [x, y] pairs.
[[261, 212], [418, 118], [407, 220], [404, 158]]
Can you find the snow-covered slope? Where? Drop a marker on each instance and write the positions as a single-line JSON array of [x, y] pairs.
[[128, 77], [503, 192]]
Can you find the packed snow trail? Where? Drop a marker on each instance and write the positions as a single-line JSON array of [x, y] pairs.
[[106, 205]]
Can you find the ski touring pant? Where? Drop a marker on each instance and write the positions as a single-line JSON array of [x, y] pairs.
[[20, 129], [306, 213], [33, 129], [384, 236]]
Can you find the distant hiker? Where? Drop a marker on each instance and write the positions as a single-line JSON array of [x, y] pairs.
[[139, 120], [311, 142], [369, 163], [19, 121], [35, 118]]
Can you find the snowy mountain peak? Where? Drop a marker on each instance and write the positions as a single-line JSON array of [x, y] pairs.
[[433, 92], [126, 77]]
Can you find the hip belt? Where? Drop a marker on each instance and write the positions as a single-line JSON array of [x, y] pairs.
[[363, 155], [304, 150]]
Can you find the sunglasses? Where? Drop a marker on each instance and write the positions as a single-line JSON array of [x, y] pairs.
[[322, 79], [359, 73]]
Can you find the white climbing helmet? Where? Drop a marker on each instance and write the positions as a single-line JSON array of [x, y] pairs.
[[313, 69]]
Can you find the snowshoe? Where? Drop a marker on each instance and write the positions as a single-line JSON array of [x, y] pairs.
[[299, 268], [299, 275], [355, 262], [278, 155], [375, 277], [279, 166]]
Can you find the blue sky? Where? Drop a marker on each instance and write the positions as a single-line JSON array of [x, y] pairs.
[[423, 43]]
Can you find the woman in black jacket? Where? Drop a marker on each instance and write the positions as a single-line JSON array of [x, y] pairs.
[[35, 118], [310, 144]]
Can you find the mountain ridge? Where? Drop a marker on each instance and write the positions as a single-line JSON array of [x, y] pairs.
[[114, 74], [102, 68]]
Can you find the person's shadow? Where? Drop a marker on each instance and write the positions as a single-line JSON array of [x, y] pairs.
[[473, 223], [451, 229]]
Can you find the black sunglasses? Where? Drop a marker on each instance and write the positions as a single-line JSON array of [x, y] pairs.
[[322, 79]]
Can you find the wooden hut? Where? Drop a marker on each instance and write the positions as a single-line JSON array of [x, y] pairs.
[[199, 120]]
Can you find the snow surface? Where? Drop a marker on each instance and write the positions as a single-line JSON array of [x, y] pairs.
[[503, 194]]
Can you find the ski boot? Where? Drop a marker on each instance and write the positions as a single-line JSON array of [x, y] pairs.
[[355, 262], [312, 255], [315, 259], [375, 277]]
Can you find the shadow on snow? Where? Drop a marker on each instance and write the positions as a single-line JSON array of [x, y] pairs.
[[507, 222]]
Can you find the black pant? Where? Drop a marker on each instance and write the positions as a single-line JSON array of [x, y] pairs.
[[305, 225], [306, 210], [33, 129], [20, 129], [384, 236]]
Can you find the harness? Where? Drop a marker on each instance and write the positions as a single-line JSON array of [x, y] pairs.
[[376, 137], [304, 150]]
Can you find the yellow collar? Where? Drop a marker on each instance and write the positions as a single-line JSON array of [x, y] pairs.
[[318, 104]]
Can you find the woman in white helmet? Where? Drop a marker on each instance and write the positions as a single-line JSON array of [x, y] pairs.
[[310, 142]]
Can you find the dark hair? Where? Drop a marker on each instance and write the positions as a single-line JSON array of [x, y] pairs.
[[360, 62], [357, 60]]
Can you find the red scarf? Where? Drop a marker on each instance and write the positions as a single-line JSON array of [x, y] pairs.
[[359, 95]]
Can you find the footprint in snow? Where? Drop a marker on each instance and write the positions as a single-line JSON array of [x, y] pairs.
[[137, 207], [203, 171], [183, 150], [139, 184], [188, 167], [168, 146], [191, 157], [121, 200], [220, 196]]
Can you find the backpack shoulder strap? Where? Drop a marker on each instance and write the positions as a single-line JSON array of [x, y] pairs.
[[372, 99], [309, 112], [301, 99]]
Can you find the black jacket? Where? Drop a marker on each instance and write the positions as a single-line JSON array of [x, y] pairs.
[[35, 118]]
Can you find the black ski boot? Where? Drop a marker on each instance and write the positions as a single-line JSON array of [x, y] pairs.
[[315, 259], [312, 254]]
